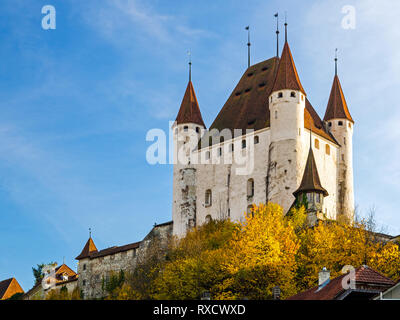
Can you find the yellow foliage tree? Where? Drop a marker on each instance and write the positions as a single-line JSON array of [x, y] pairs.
[[261, 255]]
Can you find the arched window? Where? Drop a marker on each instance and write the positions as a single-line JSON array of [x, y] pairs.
[[293, 94], [256, 139], [208, 218], [280, 95], [327, 149], [208, 198], [243, 144], [250, 188], [316, 143], [185, 128]]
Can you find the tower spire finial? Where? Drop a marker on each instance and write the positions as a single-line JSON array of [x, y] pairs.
[[285, 28], [277, 34], [90, 232], [190, 65], [248, 46], [336, 62]]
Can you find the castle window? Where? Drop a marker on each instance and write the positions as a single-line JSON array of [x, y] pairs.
[[318, 198], [340, 123], [250, 188], [84, 266], [293, 94], [84, 282], [309, 197], [276, 114], [271, 99], [328, 149], [330, 124], [219, 152], [185, 128], [316, 143], [208, 199], [256, 139], [207, 155], [197, 129], [280, 95], [208, 218], [232, 147], [243, 144]]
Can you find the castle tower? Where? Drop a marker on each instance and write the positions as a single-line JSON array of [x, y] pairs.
[[187, 130], [287, 104], [310, 193], [85, 279], [339, 123]]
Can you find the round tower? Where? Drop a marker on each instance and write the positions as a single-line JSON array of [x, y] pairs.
[[187, 130], [286, 104], [340, 124]]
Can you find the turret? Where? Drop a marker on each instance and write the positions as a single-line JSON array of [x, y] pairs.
[[311, 193], [187, 130], [340, 124], [286, 104]]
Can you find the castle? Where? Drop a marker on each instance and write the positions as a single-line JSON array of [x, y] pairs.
[[267, 144], [289, 153]]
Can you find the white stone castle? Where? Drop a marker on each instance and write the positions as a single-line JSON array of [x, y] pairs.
[[292, 156]]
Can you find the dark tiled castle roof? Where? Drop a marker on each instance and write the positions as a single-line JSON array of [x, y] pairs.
[[189, 111]]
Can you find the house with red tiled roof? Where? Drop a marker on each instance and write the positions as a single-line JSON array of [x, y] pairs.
[[266, 144], [362, 284], [54, 278], [9, 288]]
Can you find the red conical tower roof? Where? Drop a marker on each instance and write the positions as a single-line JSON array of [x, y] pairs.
[[286, 76], [337, 106], [87, 249], [189, 111]]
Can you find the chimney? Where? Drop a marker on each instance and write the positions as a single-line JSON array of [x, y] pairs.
[[323, 276]]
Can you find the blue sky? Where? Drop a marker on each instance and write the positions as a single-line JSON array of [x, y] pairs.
[[76, 104]]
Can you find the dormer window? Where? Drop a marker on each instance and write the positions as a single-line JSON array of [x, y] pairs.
[[293, 94], [280, 95]]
